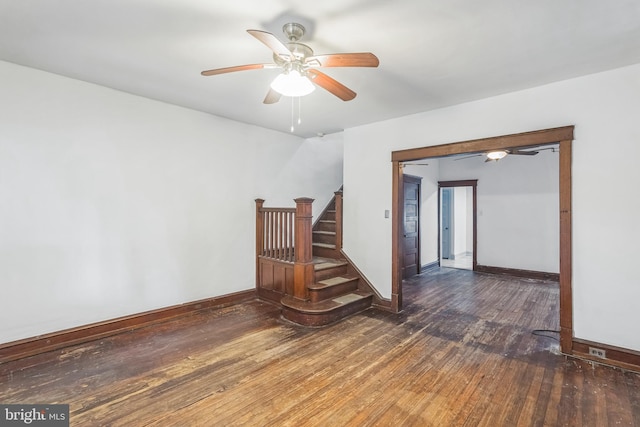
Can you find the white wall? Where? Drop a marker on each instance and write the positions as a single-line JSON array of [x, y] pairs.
[[518, 205], [460, 221], [604, 108], [112, 204]]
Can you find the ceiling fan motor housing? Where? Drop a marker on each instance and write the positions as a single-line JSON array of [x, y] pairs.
[[293, 31]]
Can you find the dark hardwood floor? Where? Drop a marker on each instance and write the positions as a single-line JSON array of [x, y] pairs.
[[461, 354]]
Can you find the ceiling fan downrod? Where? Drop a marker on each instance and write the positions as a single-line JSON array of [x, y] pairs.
[[293, 31]]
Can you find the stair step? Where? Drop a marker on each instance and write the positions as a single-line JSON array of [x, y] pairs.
[[326, 268], [346, 299], [324, 305], [325, 225], [329, 215], [324, 245], [334, 281], [326, 250], [320, 264], [326, 311], [326, 237], [332, 287]]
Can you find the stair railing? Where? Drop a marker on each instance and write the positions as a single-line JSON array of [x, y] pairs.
[[275, 232], [285, 235]]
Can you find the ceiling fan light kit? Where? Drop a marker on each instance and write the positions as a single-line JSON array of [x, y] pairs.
[[292, 84], [496, 155], [299, 65]]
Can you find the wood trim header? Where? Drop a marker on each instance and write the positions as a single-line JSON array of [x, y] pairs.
[[519, 140], [461, 183]]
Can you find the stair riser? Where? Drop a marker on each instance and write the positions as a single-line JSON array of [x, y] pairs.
[[333, 291], [329, 215], [326, 226], [331, 272], [325, 318], [324, 238], [326, 252]]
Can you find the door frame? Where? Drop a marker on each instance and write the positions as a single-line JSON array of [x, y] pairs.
[[562, 136], [473, 183]]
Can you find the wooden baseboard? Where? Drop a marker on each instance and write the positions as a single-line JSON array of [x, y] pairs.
[[430, 266], [528, 274], [615, 356], [60, 339]]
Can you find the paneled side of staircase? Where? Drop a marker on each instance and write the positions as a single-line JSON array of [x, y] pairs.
[[336, 292]]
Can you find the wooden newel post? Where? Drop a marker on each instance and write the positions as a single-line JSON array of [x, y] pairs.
[[338, 199], [303, 273], [259, 238]]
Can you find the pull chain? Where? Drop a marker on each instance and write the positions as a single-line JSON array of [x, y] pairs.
[[293, 107], [292, 114]]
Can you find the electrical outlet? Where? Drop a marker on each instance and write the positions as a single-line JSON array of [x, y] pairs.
[[597, 352]]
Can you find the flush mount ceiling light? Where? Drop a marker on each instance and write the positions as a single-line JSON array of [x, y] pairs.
[[292, 83], [496, 155]]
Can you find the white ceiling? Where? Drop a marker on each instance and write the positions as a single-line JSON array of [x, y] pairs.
[[433, 53]]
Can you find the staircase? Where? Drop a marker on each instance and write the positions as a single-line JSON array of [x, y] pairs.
[[324, 234], [336, 289]]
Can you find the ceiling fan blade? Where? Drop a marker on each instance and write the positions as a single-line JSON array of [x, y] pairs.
[[522, 153], [364, 59], [236, 68], [331, 85], [272, 43], [553, 149], [468, 157], [272, 97]]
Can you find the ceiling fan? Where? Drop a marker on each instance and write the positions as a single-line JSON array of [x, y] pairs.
[[299, 64], [495, 155]]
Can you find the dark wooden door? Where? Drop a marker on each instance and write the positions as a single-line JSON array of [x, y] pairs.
[[411, 237]]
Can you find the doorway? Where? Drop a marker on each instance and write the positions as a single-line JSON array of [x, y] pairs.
[[562, 136], [447, 224], [457, 224]]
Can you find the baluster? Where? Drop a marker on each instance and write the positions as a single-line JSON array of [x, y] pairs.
[[273, 234], [279, 235], [259, 238], [266, 233], [269, 233], [290, 243]]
